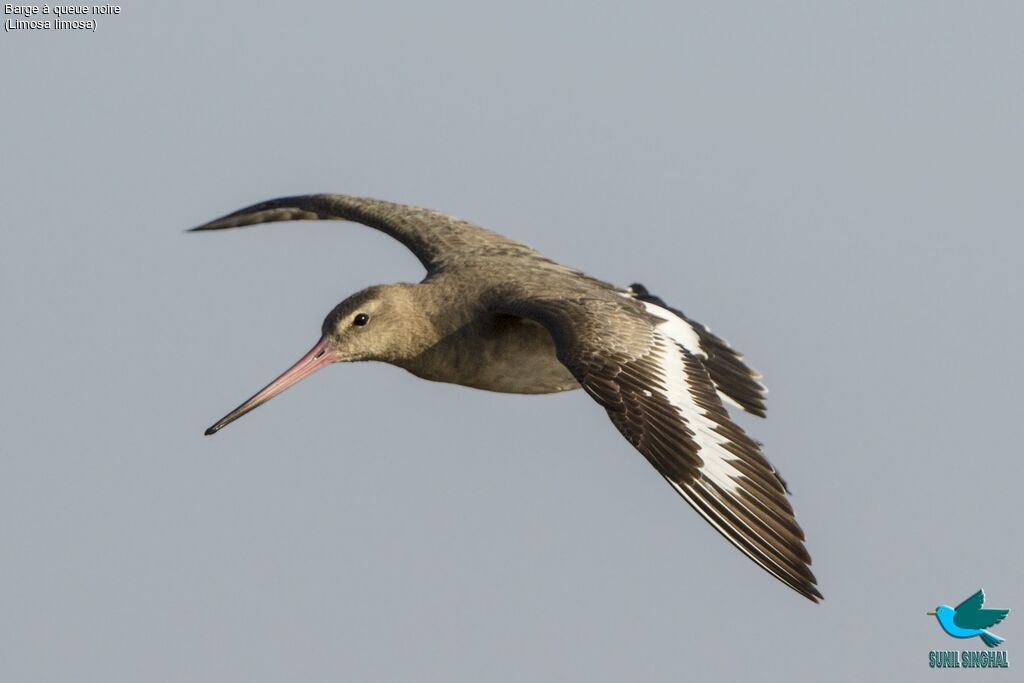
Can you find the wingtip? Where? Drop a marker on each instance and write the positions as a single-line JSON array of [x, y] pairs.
[[210, 431], [808, 587]]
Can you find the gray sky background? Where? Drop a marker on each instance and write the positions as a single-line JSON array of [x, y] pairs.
[[836, 190]]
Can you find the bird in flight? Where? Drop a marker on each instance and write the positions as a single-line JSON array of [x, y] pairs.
[[495, 314], [969, 619]]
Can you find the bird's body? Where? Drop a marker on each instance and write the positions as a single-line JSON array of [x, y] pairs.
[[495, 314], [969, 619], [495, 352], [949, 625]]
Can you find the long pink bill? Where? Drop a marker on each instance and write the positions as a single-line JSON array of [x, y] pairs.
[[318, 356]]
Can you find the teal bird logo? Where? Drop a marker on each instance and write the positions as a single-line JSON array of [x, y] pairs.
[[968, 619]]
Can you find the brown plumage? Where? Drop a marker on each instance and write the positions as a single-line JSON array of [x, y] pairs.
[[495, 314]]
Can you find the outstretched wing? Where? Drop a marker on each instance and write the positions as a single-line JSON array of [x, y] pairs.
[[660, 397], [969, 613], [436, 239], [736, 382]]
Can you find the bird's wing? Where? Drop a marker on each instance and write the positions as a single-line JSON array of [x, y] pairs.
[[972, 603], [735, 381], [969, 613], [435, 238], [982, 618], [660, 397]]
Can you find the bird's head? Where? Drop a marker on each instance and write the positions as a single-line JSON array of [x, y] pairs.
[[943, 612], [383, 323]]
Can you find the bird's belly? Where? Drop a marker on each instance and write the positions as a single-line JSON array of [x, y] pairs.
[[522, 374], [508, 355]]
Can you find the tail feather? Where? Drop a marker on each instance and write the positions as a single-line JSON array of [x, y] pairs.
[[991, 639]]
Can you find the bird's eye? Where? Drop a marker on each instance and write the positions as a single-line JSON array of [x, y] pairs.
[[361, 319]]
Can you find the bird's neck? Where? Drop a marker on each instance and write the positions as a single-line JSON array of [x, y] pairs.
[[430, 316]]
